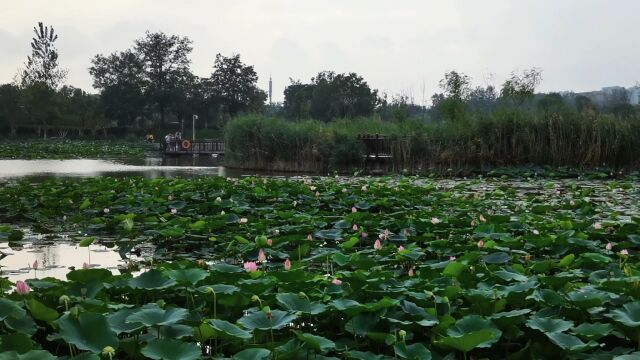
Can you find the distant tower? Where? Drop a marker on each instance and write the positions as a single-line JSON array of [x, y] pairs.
[[270, 89]]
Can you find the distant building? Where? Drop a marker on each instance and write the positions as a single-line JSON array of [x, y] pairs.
[[601, 97]]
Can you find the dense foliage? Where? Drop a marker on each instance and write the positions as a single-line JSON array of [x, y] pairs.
[[503, 138], [76, 149], [406, 268]]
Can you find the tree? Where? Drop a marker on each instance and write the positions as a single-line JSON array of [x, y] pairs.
[[482, 99], [11, 111], [166, 64], [521, 87], [234, 85], [451, 103], [331, 96], [121, 79], [455, 85], [42, 64]]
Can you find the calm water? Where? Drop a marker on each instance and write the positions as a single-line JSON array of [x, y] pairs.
[[183, 166]]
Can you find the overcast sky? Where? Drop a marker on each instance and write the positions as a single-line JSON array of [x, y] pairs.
[[401, 46]]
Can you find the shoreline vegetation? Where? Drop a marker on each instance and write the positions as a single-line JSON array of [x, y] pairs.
[[499, 140]]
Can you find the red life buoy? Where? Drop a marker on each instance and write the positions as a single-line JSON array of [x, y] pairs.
[[186, 144]]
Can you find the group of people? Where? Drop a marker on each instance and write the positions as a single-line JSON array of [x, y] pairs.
[[172, 141]]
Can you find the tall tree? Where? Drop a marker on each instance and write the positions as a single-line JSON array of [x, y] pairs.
[[121, 79], [521, 87], [234, 84], [166, 63], [42, 64]]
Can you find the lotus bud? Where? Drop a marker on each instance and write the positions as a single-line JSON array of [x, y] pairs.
[[480, 244], [287, 265], [22, 287], [609, 246], [336, 282], [261, 256], [64, 299], [255, 298], [355, 227], [402, 334], [377, 245], [597, 226], [35, 265], [108, 351], [218, 199], [353, 209], [210, 290], [270, 242]]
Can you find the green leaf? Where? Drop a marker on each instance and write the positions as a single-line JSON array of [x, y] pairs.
[[24, 324], [548, 325], [155, 316], [31, 355], [89, 331], [86, 276], [41, 312], [412, 352], [474, 323], [190, 276], [118, 322], [9, 308], [567, 260], [260, 320], [229, 329], [453, 269], [16, 342], [87, 241], [252, 354], [593, 331], [152, 279], [628, 316], [169, 349], [315, 343], [497, 258], [569, 342], [469, 341], [295, 302]]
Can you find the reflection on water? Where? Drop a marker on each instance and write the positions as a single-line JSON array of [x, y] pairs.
[[149, 167], [152, 167], [55, 259]]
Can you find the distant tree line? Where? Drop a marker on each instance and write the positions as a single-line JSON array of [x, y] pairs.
[[150, 87]]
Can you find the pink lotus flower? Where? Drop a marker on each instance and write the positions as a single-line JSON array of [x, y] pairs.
[[251, 266], [309, 237], [243, 220], [85, 265], [270, 242], [174, 211], [261, 256], [597, 226], [355, 227], [353, 209], [624, 252], [452, 258], [481, 217], [35, 265], [609, 246], [312, 188], [22, 287], [336, 282], [377, 245], [287, 264], [435, 220], [481, 244], [364, 235], [105, 210], [473, 223]]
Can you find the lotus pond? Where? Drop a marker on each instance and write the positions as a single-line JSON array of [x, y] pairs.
[[328, 268]]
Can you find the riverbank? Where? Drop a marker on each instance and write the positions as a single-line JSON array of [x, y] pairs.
[[73, 149]]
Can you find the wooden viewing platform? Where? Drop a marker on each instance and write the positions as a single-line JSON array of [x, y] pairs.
[[191, 147]]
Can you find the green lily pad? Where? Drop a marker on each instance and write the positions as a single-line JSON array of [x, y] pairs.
[[229, 329], [169, 349], [189, 276], [412, 352], [295, 302], [548, 325], [155, 316], [316, 343], [261, 321], [469, 341], [252, 354], [629, 315], [88, 331]]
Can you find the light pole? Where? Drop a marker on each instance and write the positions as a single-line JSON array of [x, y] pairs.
[[193, 124]]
